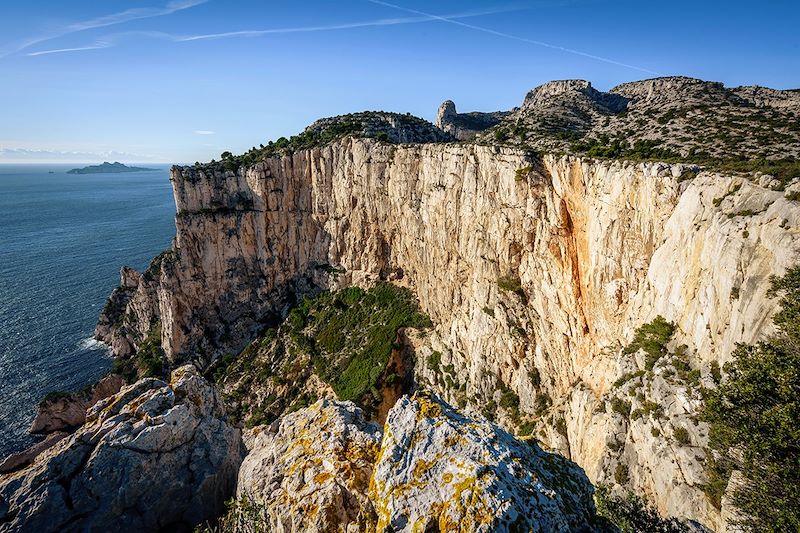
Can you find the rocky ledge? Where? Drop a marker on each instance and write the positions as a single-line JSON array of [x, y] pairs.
[[161, 456], [155, 456]]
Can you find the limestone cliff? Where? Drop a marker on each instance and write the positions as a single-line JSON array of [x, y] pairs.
[[536, 272]]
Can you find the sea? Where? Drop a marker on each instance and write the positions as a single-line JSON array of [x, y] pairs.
[[63, 240]]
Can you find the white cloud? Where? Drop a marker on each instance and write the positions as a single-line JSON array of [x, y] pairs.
[[204, 132]]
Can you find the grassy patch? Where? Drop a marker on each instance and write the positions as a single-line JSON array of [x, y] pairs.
[[354, 331]]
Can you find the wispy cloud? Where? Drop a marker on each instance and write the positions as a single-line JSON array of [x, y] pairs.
[[204, 132], [452, 20], [63, 50], [128, 15], [28, 155], [111, 40], [349, 25]]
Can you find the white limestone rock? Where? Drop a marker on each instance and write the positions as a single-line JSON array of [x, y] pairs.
[[441, 470], [155, 456], [309, 471]]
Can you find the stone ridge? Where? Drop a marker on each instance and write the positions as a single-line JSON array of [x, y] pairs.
[[397, 127], [671, 118]]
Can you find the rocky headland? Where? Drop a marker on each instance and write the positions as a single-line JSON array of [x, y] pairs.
[[466, 326]]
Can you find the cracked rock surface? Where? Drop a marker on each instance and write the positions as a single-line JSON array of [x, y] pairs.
[[155, 456], [441, 470], [432, 468], [310, 469]]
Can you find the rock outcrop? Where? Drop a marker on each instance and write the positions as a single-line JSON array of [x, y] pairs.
[[310, 470], [667, 117], [440, 470], [155, 456], [463, 126], [324, 468], [68, 411]]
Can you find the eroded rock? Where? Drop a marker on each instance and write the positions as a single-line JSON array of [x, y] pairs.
[[68, 411], [154, 456], [440, 470], [309, 470]]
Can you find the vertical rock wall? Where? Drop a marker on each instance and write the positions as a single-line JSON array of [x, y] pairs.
[[535, 272]]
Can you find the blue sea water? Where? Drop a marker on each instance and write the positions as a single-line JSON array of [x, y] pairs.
[[63, 239]]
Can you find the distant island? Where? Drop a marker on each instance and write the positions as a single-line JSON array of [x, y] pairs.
[[112, 168]]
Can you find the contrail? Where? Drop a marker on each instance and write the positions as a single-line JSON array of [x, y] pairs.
[[135, 13], [514, 37], [111, 40], [63, 50], [344, 26]]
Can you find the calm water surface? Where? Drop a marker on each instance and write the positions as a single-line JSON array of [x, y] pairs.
[[63, 239]]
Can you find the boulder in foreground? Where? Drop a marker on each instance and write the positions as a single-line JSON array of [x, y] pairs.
[[155, 456]]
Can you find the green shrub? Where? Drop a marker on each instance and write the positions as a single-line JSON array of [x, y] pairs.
[[54, 396], [510, 283], [652, 338], [681, 435], [521, 174], [626, 377], [534, 377], [648, 408], [542, 404], [509, 400], [434, 359], [756, 412], [490, 410], [716, 374], [621, 475], [630, 514], [525, 429], [621, 406]]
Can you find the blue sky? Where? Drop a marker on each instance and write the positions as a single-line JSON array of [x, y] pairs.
[[175, 82]]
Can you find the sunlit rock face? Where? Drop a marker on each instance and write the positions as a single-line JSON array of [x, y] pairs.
[[324, 468], [535, 271]]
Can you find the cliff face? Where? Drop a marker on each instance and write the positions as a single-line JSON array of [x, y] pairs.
[[535, 273]]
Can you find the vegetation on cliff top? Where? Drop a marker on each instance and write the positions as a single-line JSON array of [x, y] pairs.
[[380, 125], [754, 417]]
